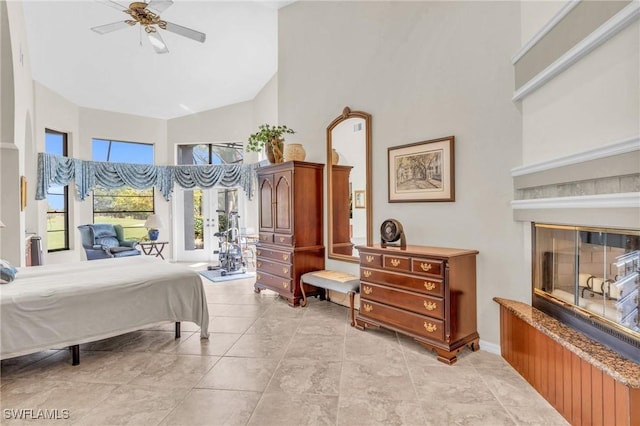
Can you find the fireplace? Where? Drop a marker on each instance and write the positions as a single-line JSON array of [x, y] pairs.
[[589, 278]]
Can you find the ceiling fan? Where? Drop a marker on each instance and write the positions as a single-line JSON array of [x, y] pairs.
[[148, 16]]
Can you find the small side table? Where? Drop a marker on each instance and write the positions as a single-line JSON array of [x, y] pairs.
[[153, 247]]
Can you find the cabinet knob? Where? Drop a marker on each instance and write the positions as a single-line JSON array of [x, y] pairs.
[[258, 276], [282, 239], [285, 270], [367, 307], [367, 290], [285, 284], [429, 305], [429, 285], [285, 257], [258, 252], [395, 262], [430, 327], [259, 264], [366, 273], [425, 266], [369, 258]]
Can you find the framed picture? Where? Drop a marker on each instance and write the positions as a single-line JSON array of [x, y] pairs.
[[422, 171], [360, 200]]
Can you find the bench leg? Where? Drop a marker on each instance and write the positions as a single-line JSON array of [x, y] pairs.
[[303, 302], [177, 329], [75, 354], [352, 296]]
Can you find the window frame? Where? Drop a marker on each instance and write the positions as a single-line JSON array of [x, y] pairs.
[[115, 213], [65, 195]]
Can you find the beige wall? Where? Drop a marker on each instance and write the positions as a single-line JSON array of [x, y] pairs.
[[13, 151], [423, 70]]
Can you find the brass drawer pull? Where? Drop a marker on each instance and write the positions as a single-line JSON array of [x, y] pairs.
[[430, 327], [367, 274], [429, 285], [259, 264], [258, 276], [368, 308], [370, 258], [285, 285], [395, 262], [258, 252], [285, 270], [429, 306], [285, 257], [425, 266], [367, 290], [281, 239]]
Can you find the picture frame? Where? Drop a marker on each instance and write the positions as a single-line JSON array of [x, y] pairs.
[[23, 193], [360, 200], [422, 171]]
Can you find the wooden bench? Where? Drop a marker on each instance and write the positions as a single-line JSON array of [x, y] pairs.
[[332, 280]]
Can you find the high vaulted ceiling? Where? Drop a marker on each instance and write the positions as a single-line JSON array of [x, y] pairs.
[[121, 72]]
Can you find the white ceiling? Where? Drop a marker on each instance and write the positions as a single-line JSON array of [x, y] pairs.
[[114, 72]]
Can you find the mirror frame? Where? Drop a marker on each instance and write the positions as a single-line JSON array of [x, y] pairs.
[[347, 114]]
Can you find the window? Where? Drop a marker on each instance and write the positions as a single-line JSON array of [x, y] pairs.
[[126, 206], [57, 198]]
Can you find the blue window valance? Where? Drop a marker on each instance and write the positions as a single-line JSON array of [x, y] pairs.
[[56, 169]]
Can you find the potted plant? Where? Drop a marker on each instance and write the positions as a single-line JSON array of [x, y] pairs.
[[270, 138]]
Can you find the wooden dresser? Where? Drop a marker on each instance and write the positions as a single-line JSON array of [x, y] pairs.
[[290, 227], [427, 293]]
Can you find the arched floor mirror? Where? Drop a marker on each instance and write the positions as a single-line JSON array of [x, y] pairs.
[[349, 184]]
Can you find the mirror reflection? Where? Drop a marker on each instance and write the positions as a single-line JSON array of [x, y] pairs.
[[348, 183]]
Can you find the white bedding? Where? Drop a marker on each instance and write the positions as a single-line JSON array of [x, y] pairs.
[[53, 306]]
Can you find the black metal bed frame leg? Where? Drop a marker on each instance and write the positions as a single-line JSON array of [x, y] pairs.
[[177, 329], [75, 354]]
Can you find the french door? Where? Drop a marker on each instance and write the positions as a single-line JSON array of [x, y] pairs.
[[196, 223]]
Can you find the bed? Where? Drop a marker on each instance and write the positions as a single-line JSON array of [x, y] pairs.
[[60, 305]]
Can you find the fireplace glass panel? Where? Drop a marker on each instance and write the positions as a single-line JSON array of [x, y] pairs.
[[595, 270]]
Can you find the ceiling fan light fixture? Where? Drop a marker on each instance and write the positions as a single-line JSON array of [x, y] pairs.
[[143, 13]]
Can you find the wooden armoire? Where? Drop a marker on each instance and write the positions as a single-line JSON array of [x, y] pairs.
[[342, 203], [290, 227]]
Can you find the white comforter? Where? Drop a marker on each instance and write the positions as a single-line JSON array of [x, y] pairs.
[[53, 306]]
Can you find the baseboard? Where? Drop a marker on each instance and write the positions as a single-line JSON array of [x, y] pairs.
[[490, 347]]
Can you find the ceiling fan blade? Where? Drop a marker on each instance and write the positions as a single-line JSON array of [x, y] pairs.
[[157, 42], [186, 32], [107, 28], [116, 5], [159, 6]]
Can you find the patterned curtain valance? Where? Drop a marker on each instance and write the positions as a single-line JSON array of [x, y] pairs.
[[55, 169]]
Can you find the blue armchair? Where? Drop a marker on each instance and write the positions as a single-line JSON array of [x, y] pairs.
[[102, 241]]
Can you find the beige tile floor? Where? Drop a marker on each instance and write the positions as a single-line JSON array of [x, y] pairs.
[[268, 364]]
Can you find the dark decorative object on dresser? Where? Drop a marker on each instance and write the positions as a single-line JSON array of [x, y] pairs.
[[291, 228], [390, 232], [428, 293]]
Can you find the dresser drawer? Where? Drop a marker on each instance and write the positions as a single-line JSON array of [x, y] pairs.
[[418, 303], [283, 240], [279, 284], [280, 269], [420, 325], [398, 263], [368, 259], [427, 267], [431, 286], [265, 237], [280, 256]]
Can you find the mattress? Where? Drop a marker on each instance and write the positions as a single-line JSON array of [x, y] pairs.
[[53, 306]]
